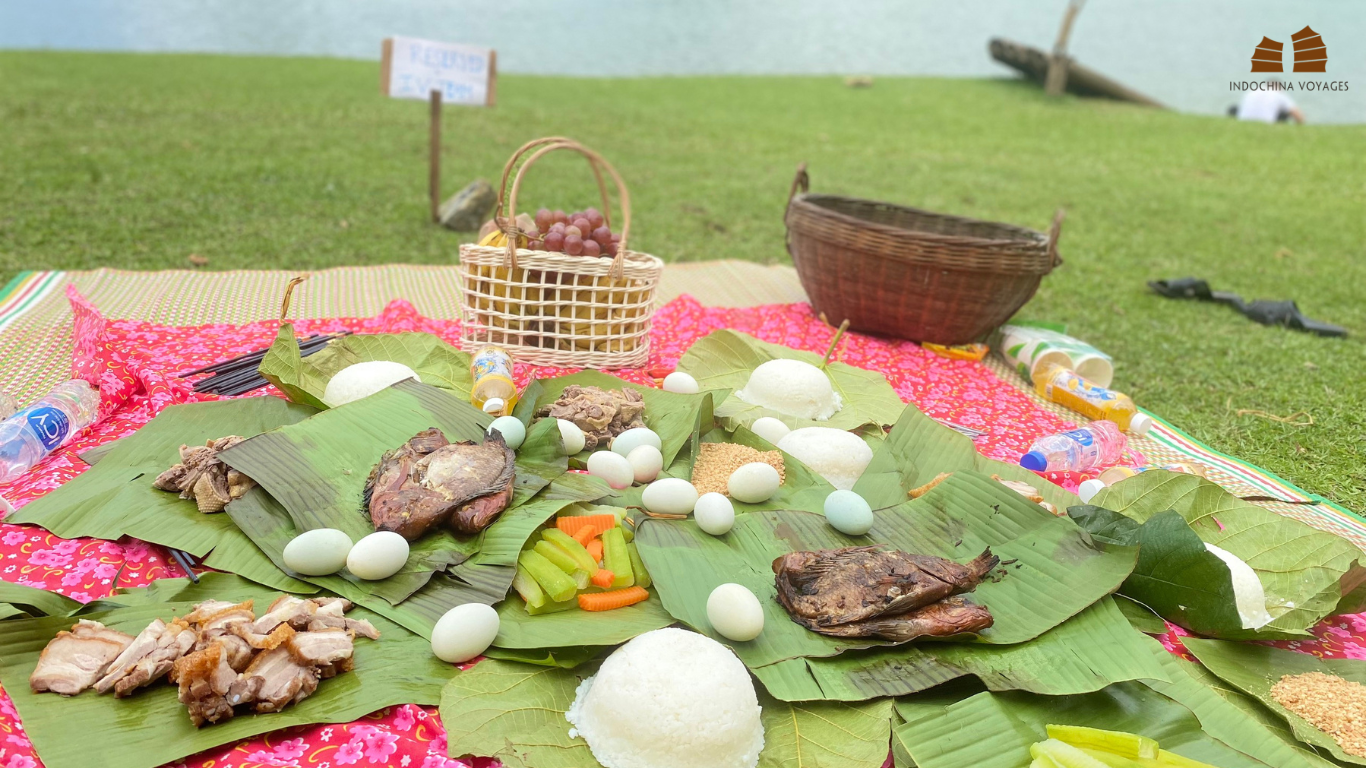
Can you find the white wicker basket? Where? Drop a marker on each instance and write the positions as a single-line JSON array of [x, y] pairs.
[[554, 308]]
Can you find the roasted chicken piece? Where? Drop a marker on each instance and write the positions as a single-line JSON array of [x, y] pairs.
[[950, 616], [203, 477], [429, 481], [151, 655], [602, 414], [840, 586], [73, 661]]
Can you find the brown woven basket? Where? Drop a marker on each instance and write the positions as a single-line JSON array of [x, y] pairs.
[[555, 308], [910, 273]]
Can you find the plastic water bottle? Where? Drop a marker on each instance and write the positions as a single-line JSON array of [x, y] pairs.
[[29, 435], [1095, 445], [494, 392], [1067, 388]]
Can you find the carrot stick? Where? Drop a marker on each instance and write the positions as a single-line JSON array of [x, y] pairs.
[[595, 549], [584, 535], [571, 524], [618, 598], [603, 578]]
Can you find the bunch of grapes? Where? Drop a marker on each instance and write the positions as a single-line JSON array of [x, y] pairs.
[[582, 233]]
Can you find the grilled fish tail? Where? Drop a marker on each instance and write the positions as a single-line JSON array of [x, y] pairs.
[[950, 616]]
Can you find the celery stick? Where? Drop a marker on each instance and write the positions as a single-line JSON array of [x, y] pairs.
[[638, 566], [1167, 759], [527, 587], [571, 547], [556, 583], [1115, 742], [581, 579], [1041, 758], [1112, 760], [550, 606], [616, 559], [1065, 755], [558, 556]]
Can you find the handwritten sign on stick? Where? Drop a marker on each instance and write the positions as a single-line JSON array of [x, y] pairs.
[[411, 69]]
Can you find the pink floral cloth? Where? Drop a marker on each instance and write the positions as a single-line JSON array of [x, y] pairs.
[[136, 364]]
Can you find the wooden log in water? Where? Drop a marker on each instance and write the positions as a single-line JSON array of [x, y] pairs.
[[1083, 81]]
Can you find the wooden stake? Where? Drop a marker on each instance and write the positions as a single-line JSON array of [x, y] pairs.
[[434, 157], [1056, 80]]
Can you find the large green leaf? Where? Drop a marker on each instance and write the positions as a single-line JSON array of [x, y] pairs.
[[31, 601], [919, 448], [724, 360], [517, 629], [1304, 571], [115, 497], [1085, 653], [317, 470], [1254, 669], [1054, 570], [151, 728], [515, 712], [304, 379], [1176, 576], [676, 418]]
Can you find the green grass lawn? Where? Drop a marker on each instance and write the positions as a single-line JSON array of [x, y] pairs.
[[140, 161]]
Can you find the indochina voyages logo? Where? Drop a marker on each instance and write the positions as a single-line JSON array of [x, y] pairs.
[[1310, 56]]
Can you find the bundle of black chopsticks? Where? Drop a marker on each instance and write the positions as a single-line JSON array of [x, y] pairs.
[[239, 375]]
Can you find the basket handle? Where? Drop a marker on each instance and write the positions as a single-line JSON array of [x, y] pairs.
[[801, 180], [1054, 232], [534, 143], [508, 223]]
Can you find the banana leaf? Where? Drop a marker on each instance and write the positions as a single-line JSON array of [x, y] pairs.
[[151, 727], [724, 360], [317, 470], [673, 416], [515, 712], [304, 379], [19, 600], [1140, 616], [1085, 653], [919, 448], [564, 658], [519, 630], [1254, 669], [1304, 571], [115, 497], [1054, 570]]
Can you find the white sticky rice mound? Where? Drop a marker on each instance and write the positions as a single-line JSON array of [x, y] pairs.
[[364, 379], [1248, 594], [670, 699], [838, 456], [792, 388]]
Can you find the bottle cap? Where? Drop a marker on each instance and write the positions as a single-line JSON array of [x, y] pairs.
[[494, 404], [1034, 461], [1140, 424], [1088, 489]]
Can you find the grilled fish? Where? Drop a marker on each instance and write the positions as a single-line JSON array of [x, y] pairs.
[[430, 481], [950, 616], [840, 586]]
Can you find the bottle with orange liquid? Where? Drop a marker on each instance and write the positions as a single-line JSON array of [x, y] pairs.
[[494, 391], [1066, 388]]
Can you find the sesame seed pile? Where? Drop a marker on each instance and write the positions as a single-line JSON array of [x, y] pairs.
[[716, 462], [1333, 705]]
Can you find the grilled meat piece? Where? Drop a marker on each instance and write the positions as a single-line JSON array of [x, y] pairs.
[[321, 648], [839, 586], [602, 414], [273, 681], [73, 661], [429, 481], [203, 477], [140, 665], [950, 616], [205, 677], [224, 623], [1029, 492], [916, 493]]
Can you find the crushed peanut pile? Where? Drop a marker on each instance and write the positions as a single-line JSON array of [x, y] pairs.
[[717, 461], [1333, 705]]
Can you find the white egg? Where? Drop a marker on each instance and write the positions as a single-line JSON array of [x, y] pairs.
[[464, 632], [646, 463], [511, 428], [714, 514], [613, 468], [378, 556], [735, 613], [572, 436], [670, 496], [681, 383], [631, 439], [317, 552], [769, 429], [848, 513], [753, 483]]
